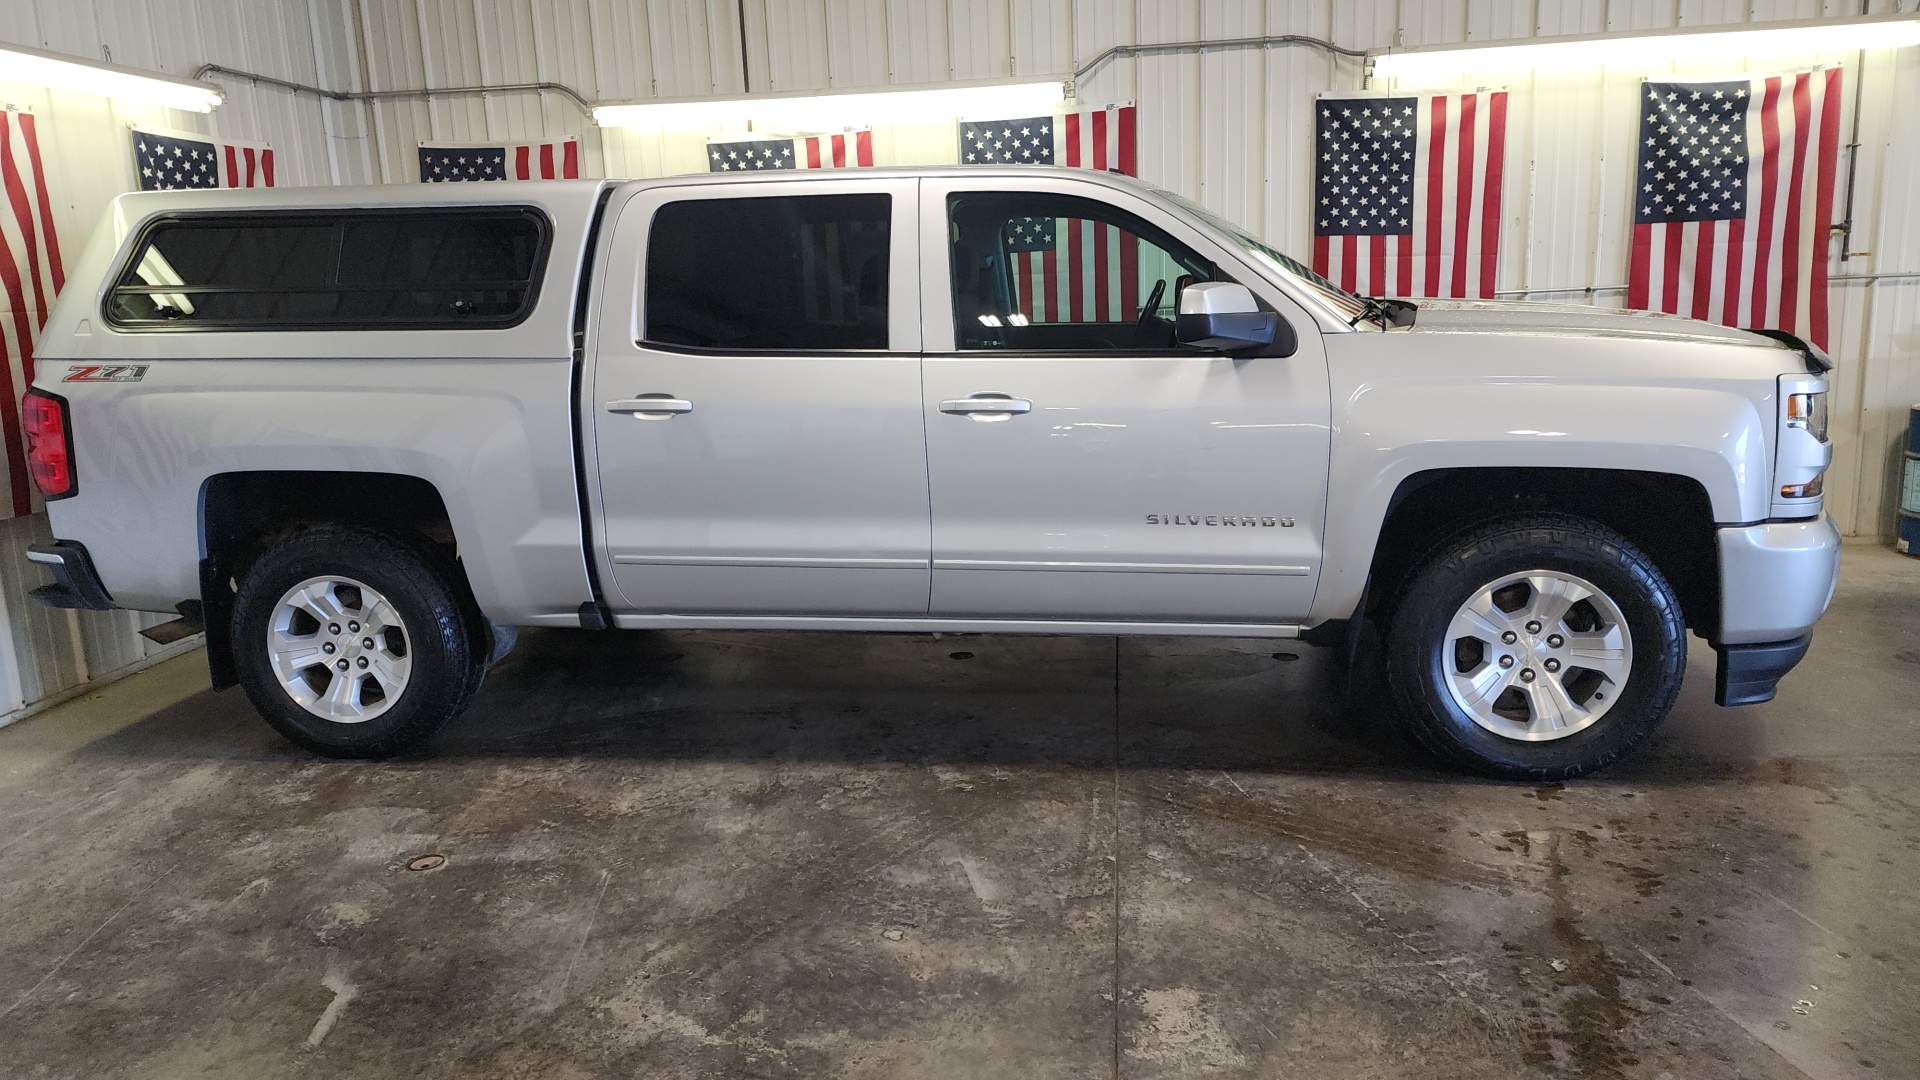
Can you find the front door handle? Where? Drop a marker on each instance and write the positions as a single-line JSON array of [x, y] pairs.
[[987, 406], [651, 406]]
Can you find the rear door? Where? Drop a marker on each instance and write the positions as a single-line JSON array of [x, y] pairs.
[[756, 401], [1082, 464]]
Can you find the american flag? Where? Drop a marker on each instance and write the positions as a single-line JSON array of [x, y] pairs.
[[440, 163], [30, 272], [1406, 193], [843, 150], [1734, 198], [1067, 269], [169, 162]]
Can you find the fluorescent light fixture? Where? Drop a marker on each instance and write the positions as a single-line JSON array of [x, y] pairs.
[[788, 113], [1656, 48], [57, 71]]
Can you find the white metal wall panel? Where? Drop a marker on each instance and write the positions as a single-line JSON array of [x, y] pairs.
[[977, 34], [797, 44], [917, 41]]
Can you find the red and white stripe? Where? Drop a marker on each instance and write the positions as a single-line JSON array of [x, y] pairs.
[[544, 161], [245, 164], [847, 150], [1767, 270], [1454, 248], [1093, 273], [30, 275]]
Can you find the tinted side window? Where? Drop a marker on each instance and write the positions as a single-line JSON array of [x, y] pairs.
[[422, 269], [1044, 272], [802, 272]]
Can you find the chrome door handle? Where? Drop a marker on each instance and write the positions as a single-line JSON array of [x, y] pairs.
[[651, 406], [986, 403]]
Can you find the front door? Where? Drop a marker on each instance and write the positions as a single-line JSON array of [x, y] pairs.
[[1082, 464], [755, 401]]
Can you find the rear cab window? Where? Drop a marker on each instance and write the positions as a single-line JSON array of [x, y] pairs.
[[416, 269], [769, 273]]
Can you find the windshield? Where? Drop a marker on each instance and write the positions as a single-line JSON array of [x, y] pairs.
[[1350, 307]]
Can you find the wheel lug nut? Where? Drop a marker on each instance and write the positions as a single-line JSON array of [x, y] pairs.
[[1526, 674], [1554, 641], [342, 665], [1533, 627], [1509, 637], [1506, 661], [366, 643], [333, 628], [327, 647], [1551, 665], [353, 627], [363, 661]]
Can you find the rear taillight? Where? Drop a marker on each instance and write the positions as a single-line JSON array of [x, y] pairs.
[[49, 443]]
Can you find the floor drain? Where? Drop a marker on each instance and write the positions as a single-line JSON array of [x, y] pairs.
[[959, 656], [428, 862], [1286, 656]]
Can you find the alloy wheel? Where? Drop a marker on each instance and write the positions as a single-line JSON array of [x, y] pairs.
[[339, 649], [1537, 655]]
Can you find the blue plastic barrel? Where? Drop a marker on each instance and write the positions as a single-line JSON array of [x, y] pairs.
[[1909, 535]]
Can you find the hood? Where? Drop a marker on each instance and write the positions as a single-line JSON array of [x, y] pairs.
[[1513, 317]]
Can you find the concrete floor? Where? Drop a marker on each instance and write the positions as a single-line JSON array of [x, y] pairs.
[[750, 855]]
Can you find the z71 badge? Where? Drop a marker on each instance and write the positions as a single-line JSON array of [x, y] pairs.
[[106, 373]]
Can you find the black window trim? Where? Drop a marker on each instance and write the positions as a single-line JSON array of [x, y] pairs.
[[714, 350], [649, 344], [542, 224]]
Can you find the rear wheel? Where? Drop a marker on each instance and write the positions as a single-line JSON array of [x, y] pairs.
[[353, 643], [1540, 647]]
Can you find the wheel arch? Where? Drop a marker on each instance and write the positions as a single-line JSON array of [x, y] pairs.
[[1668, 516], [241, 514]]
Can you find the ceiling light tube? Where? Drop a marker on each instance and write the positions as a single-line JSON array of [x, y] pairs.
[[58, 71], [825, 112], [1655, 48]]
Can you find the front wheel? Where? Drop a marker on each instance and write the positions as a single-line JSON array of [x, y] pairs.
[[1540, 647], [353, 643]]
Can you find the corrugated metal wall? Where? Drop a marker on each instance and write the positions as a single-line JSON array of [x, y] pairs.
[[1230, 128], [89, 159]]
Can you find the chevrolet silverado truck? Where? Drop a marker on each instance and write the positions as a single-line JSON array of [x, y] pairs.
[[361, 435]]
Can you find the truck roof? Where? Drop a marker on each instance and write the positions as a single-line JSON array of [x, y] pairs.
[[137, 205]]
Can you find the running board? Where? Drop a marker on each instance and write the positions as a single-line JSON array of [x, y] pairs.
[[955, 626]]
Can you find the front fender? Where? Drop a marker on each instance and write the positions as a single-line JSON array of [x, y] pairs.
[[1386, 431]]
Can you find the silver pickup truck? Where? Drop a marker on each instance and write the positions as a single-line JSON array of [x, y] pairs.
[[361, 434]]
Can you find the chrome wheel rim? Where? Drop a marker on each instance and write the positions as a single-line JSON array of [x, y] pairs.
[[1538, 655], [339, 649]]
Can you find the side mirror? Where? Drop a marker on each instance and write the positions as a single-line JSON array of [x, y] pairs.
[[1223, 315]]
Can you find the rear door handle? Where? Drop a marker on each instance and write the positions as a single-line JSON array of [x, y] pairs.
[[651, 406], [988, 406]]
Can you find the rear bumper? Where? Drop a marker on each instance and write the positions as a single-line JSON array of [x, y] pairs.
[[75, 582], [1776, 579], [1748, 674]]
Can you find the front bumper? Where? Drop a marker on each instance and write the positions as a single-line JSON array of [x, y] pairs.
[[1776, 579]]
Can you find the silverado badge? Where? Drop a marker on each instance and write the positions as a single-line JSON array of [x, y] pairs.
[[1220, 519]]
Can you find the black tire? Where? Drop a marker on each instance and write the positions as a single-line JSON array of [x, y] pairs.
[[446, 641], [1418, 648]]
